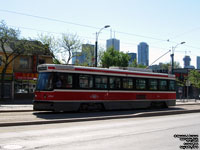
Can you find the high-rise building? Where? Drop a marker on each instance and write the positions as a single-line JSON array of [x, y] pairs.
[[85, 56], [198, 62], [186, 60], [133, 57], [113, 43], [143, 54]]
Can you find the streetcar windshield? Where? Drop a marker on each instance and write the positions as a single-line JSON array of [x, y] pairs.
[[45, 81]]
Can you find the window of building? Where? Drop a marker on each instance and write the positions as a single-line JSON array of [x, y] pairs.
[[23, 62], [101, 82], [140, 84], [85, 81], [115, 83], [171, 85], [41, 61], [153, 84], [127, 83], [163, 85]]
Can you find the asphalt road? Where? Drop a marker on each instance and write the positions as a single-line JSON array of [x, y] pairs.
[[149, 133]]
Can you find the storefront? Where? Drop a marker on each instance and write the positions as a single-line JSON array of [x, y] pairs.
[[25, 82]]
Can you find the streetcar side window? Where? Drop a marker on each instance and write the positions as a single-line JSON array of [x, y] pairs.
[[114, 83], [63, 80], [171, 85], [153, 84], [163, 85], [127, 83], [85, 81], [140, 84], [101, 82]]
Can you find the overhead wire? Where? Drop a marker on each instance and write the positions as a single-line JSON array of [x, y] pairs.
[[87, 26], [77, 24]]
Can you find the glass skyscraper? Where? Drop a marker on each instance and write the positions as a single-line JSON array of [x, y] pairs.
[[113, 43], [198, 62], [143, 54], [85, 56], [133, 57], [186, 60]]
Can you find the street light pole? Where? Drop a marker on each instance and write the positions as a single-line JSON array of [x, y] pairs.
[[172, 55], [96, 43]]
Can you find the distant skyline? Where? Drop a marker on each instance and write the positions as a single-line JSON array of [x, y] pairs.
[[161, 24]]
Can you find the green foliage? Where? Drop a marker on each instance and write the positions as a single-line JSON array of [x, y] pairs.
[[181, 82], [136, 65], [165, 66], [194, 78], [133, 64], [112, 57], [7, 34], [8, 38]]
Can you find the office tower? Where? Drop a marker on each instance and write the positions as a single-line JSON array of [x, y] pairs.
[[186, 60], [113, 43], [143, 54], [86, 56], [198, 62], [133, 57]]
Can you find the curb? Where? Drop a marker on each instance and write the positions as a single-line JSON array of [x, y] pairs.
[[144, 114], [188, 104]]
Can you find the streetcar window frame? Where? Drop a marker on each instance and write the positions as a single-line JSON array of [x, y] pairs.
[[101, 82], [115, 85], [140, 85], [45, 81], [88, 83], [128, 83], [163, 87], [172, 85], [63, 80], [153, 84]]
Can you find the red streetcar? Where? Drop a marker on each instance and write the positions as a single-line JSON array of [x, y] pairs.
[[73, 88]]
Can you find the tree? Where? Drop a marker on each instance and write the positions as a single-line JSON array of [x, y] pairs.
[[166, 65], [112, 57], [194, 78], [87, 55], [9, 39], [53, 45], [136, 65], [70, 44]]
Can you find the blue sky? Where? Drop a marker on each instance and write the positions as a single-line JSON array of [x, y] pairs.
[[160, 23]]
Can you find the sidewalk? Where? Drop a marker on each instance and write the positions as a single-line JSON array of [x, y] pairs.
[[187, 101], [9, 105]]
